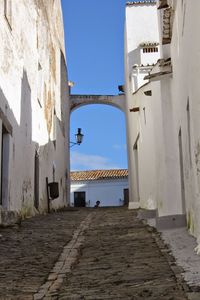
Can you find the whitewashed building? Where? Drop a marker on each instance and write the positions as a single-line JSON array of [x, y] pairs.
[[163, 112], [154, 152], [142, 50], [34, 105], [110, 187]]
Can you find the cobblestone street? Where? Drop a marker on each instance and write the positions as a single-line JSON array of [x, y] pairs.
[[28, 252], [87, 254]]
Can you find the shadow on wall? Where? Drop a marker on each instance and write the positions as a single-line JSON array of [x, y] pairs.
[[65, 121], [65, 105], [25, 164], [19, 182], [134, 57], [17, 141], [26, 110], [25, 148]]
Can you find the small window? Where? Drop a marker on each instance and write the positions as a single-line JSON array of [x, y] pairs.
[[8, 12], [150, 49], [39, 84]]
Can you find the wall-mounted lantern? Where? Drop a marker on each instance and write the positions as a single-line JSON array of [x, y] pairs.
[[79, 138]]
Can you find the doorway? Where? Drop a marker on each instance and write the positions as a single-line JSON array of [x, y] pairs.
[[5, 141], [181, 171], [36, 180], [136, 171], [126, 197], [79, 199]]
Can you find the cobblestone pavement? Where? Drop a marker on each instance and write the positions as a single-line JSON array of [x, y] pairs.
[[29, 252], [87, 254], [120, 259]]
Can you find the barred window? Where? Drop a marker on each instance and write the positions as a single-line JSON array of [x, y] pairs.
[[150, 49]]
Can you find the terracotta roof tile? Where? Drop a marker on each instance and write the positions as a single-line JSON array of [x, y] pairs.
[[98, 174], [141, 2], [148, 44]]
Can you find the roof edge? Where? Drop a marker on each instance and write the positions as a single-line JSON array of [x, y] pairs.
[[142, 2], [98, 174]]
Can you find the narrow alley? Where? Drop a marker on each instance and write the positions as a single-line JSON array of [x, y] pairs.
[[87, 254]]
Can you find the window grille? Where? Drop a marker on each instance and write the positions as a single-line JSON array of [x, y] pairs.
[[150, 49]]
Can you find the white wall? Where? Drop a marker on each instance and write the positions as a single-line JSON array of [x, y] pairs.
[[108, 192], [185, 51], [141, 26], [173, 108], [34, 100], [155, 176], [146, 16]]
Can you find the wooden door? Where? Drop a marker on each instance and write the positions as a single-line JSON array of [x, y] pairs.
[[126, 197], [79, 199]]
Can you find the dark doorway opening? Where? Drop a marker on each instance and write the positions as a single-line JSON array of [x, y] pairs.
[[4, 167], [182, 170], [136, 171], [126, 197], [36, 180], [79, 199]]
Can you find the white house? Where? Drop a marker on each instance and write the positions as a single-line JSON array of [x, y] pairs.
[[142, 50], [155, 158], [163, 112], [181, 97], [34, 105], [110, 187]]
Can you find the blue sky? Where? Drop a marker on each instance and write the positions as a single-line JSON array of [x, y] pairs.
[[94, 38]]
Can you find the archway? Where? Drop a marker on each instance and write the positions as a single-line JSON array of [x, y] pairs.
[[104, 143], [113, 100]]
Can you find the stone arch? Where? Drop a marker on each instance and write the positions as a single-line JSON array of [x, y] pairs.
[[117, 101]]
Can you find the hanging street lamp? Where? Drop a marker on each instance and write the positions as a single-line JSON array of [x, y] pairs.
[[79, 138]]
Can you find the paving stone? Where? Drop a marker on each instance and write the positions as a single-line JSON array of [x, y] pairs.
[[38, 296], [121, 259], [193, 296], [116, 257], [52, 276], [29, 252]]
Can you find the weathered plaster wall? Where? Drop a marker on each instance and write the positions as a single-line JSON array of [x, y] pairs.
[[185, 53], [34, 99]]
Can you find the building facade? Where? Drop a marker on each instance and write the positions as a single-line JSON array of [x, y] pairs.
[[110, 187], [142, 50], [163, 114], [34, 105]]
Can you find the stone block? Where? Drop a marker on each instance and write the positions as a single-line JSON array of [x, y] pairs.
[[193, 296], [9, 218], [147, 213], [172, 221], [133, 205], [38, 296]]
